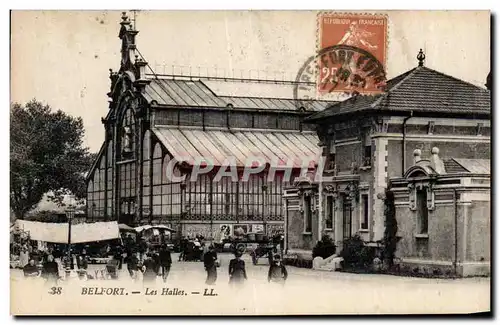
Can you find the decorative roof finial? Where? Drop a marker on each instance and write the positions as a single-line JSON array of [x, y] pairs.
[[421, 58]]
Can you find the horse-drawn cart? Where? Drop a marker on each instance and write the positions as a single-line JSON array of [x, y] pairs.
[[258, 245]]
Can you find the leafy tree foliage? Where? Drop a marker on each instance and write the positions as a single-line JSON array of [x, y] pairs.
[[46, 155]]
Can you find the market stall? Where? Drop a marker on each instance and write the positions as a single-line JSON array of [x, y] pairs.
[[156, 234], [80, 233]]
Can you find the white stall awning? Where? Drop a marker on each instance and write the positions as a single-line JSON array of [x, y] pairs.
[[80, 233]]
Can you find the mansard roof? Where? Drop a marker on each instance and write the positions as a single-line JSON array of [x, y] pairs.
[[421, 90]]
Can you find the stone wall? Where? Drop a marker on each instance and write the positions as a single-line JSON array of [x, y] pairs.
[[471, 228], [478, 232], [346, 155], [296, 237]]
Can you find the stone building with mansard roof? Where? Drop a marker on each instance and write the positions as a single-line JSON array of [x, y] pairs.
[[154, 119], [442, 196]]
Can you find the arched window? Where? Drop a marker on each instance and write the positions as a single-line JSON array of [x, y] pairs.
[[97, 203], [90, 190], [102, 171], [146, 177], [157, 164], [146, 145], [157, 178], [109, 181], [166, 188], [157, 151], [109, 153], [167, 178], [90, 199], [97, 174], [90, 186]]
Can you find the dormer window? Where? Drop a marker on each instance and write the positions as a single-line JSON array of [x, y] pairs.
[[367, 156]]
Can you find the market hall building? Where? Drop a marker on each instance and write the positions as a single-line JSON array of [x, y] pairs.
[[154, 119]]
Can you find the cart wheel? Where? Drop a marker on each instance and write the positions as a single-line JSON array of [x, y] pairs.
[[241, 248]]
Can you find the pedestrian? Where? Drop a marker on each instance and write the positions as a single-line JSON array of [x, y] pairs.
[[210, 263], [118, 252], [30, 269], [82, 260], [183, 247], [141, 248], [277, 271], [112, 267], [132, 265], [204, 250], [50, 270], [237, 272], [149, 270], [165, 261], [24, 256]]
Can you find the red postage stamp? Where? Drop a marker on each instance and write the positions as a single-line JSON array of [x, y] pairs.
[[353, 51]]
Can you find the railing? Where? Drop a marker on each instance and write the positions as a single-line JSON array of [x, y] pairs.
[[222, 73]]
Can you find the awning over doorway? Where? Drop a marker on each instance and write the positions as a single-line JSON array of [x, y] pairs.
[[274, 147]]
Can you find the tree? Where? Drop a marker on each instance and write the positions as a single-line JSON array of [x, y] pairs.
[[46, 155]]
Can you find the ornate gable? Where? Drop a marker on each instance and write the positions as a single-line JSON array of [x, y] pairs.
[[128, 83]]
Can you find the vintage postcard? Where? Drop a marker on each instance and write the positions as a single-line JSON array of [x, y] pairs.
[[250, 162]]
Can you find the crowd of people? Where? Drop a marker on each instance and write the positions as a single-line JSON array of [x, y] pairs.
[[39, 263], [237, 271], [151, 261]]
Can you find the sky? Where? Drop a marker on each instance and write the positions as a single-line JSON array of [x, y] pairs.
[[62, 58]]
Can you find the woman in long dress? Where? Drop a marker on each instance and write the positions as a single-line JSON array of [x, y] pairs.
[[237, 272], [210, 263], [149, 270], [24, 256]]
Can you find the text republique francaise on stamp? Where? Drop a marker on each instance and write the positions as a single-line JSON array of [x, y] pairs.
[[350, 58]]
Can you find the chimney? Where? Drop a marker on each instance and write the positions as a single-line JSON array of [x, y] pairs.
[[436, 162], [417, 156]]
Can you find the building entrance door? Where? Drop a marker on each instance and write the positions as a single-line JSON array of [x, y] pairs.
[[346, 218]]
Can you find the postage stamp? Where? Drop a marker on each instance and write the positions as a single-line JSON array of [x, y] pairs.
[[350, 58], [357, 52]]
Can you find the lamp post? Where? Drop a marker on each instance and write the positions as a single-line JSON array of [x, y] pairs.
[[70, 213]]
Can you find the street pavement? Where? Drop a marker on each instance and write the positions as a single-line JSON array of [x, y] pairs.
[[306, 292]]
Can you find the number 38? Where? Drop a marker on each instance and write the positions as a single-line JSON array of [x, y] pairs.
[[55, 290]]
